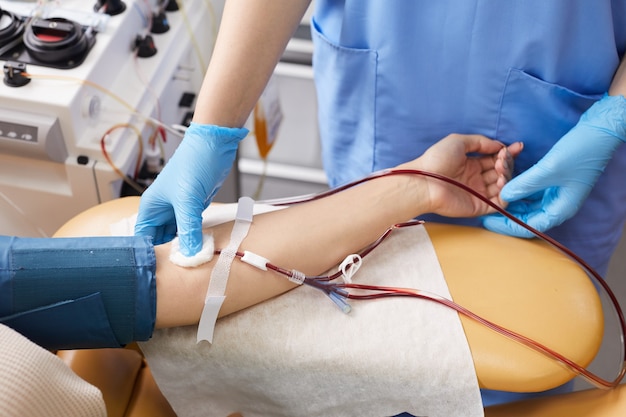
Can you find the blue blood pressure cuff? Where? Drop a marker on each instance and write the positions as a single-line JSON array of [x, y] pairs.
[[70, 293]]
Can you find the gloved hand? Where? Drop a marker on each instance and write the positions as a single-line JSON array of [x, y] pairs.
[[186, 186], [554, 189]]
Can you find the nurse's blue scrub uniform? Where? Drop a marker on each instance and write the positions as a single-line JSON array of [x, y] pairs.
[[395, 76]]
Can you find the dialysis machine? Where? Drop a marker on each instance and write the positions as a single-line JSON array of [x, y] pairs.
[[91, 96]]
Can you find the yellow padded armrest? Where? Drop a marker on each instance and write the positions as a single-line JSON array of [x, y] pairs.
[[525, 286]]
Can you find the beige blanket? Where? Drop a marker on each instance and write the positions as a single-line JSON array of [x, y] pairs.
[[35, 382]]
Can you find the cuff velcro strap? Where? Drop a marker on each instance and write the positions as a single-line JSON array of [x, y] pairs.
[[85, 325], [78, 292]]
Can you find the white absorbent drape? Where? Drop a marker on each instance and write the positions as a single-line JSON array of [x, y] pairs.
[[299, 355]]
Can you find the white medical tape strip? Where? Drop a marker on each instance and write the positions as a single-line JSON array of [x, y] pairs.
[[219, 277], [255, 260]]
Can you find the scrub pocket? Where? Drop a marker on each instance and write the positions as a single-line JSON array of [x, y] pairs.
[[346, 86], [537, 113]]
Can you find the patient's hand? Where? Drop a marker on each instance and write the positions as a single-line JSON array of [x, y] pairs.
[[486, 171]]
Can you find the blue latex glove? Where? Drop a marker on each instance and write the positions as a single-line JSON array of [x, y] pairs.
[[186, 186], [554, 189]]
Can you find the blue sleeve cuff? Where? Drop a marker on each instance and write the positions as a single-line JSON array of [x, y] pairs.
[[78, 292]]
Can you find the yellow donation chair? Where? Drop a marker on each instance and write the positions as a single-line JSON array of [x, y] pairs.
[[524, 285]]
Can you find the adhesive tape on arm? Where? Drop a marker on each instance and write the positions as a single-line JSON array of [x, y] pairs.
[[219, 277]]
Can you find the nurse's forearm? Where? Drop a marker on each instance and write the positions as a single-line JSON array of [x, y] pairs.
[[618, 85], [252, 37]]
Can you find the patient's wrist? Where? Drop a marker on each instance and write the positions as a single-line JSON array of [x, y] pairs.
[[413, 191]]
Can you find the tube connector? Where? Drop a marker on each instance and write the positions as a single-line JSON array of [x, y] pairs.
[[297, 277]]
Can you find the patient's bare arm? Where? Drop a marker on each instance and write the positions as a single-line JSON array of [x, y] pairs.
[[314, 236], [110, 291]]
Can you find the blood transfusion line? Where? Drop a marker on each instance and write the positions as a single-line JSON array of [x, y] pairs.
[[338, 292]]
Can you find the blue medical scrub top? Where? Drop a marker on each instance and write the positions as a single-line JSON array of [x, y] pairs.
[[395, 76]]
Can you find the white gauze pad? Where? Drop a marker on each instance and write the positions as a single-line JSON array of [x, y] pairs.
[[203, 256]]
